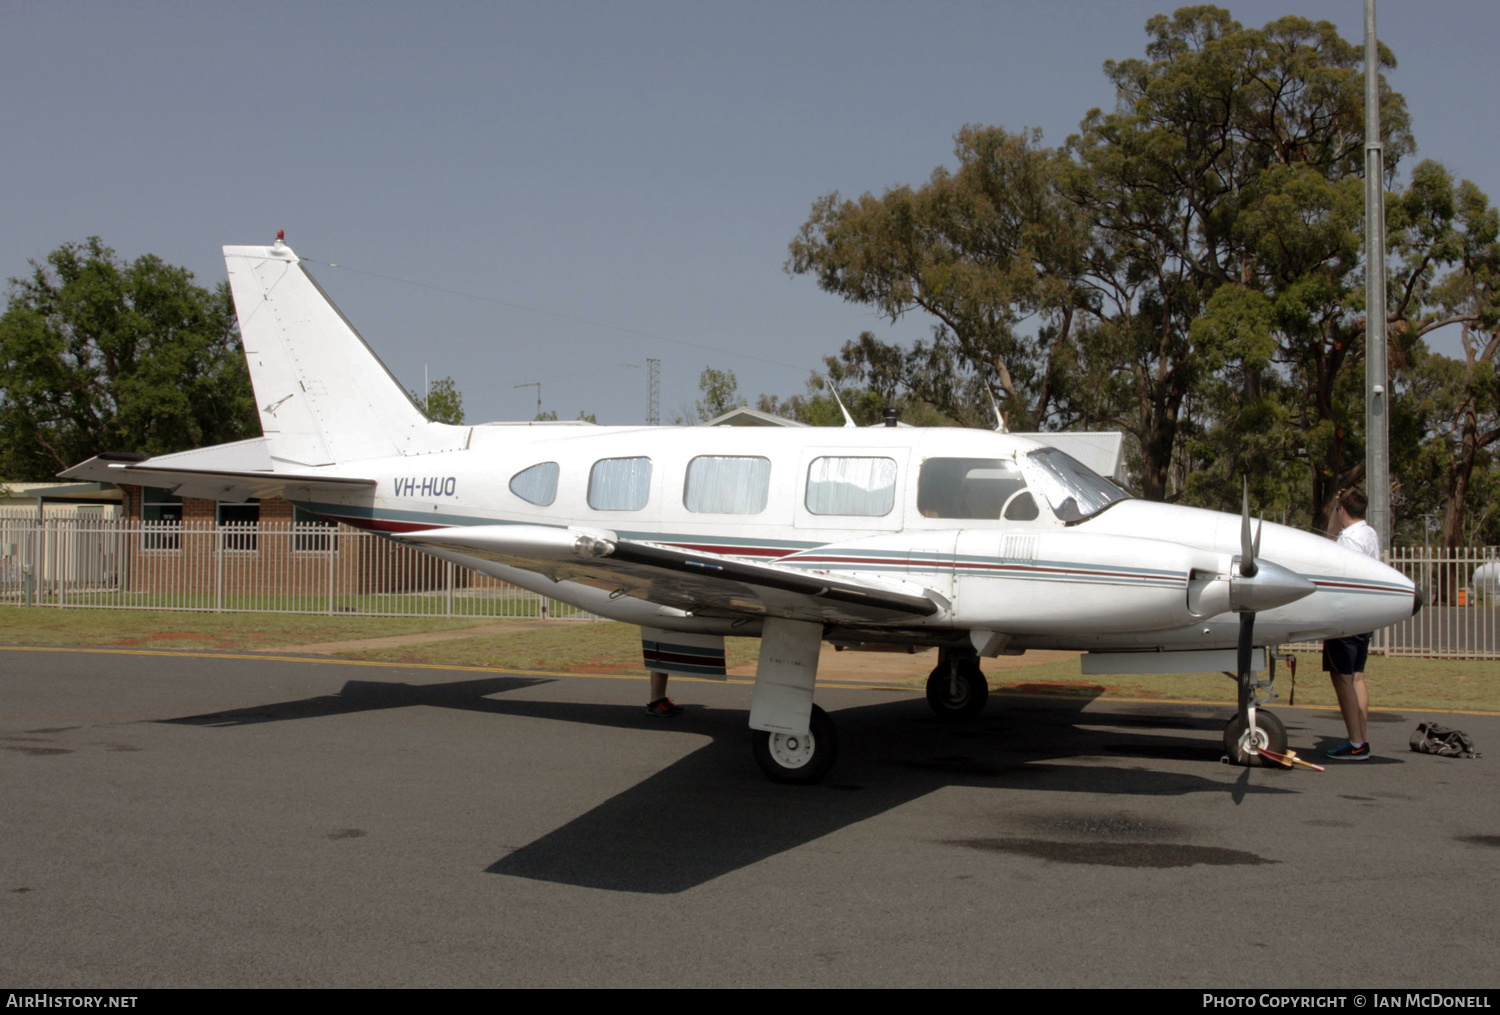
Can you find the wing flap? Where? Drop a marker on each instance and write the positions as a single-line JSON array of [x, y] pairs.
[[706, 584]]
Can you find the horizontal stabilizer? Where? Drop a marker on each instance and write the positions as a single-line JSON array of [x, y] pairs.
[[222, 477]]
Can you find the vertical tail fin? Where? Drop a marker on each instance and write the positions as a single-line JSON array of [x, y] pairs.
[[323, 394]]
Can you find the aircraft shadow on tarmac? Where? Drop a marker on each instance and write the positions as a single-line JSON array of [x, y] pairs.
[[711, 812]]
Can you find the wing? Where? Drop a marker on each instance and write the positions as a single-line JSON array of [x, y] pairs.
[[705, 584]]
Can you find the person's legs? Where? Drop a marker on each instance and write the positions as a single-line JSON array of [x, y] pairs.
[[1354, 704], [660, 704]]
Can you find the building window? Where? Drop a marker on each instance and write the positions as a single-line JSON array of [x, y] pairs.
[[620, 484], [536, 485], [851, 486], [240, 524], [161, 518], [311, 534], [718, 484]]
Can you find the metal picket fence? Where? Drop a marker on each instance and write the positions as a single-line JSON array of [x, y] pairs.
[[1461, 619], [285, 567], [271, 566]]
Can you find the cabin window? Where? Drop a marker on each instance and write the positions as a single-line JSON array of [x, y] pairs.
[[851, 486], [620, 484], [974, 488], [536, 485], [721, 484]]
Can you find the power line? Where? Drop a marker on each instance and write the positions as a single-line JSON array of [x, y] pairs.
[[562, 317]]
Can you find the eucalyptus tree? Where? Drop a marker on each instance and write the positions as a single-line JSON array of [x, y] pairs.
[[990, 253], [1224, 190], [1448, 239]]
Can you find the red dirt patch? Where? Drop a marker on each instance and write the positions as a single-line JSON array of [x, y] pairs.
[[1068, 687]]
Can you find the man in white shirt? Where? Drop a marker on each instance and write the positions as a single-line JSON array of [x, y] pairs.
[[1344, 658]]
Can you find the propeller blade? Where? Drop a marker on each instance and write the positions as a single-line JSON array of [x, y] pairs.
[[1248, 548]]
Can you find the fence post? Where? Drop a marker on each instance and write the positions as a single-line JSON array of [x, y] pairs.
[[218, 567], [448, 580], [333, 553], [52, 559]]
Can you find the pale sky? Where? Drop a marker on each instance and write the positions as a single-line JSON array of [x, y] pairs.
[[628, 173]]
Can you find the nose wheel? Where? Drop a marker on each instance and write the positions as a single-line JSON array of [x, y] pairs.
[[1269, 735], [957, 690], [798, 758]]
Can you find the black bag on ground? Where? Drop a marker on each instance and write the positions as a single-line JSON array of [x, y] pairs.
[[1430, 738]]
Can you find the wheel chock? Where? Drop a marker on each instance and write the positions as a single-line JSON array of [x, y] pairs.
[[1289, 759]]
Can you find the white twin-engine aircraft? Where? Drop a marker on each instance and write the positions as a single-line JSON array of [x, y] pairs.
[[975, 542]]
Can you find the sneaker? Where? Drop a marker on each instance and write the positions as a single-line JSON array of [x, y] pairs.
[[663, 707], [1348, 752]]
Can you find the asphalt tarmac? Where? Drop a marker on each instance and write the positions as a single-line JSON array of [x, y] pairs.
[[195, 820]]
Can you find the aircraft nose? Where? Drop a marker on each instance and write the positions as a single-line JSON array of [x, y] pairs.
[[1418, 599]]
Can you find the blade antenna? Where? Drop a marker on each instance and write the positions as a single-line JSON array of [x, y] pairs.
[[848, 419], [1000, 426]]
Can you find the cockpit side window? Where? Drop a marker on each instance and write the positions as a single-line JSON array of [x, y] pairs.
[[989, 488]]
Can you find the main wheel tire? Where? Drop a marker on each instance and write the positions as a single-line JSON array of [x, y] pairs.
[[967, 701], [798, 759], [1272, 737]]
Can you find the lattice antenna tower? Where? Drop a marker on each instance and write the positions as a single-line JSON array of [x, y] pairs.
[[653, 392]]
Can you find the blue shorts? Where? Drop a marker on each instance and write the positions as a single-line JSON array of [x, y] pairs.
[[1346, 655]]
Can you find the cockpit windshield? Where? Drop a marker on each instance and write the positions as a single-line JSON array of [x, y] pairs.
[[1073, 489]]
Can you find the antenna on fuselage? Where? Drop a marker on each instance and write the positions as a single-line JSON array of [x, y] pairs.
[[848, 419], [1000, 426]]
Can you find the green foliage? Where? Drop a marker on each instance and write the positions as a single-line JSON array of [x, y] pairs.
[[444, 402], [720, 393], [98, 355], [1188, 269], [991, 252]]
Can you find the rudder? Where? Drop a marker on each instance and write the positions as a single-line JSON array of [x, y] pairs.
[[323, 395]]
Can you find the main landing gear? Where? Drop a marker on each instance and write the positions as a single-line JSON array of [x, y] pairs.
[[956, 690], [798, 759]]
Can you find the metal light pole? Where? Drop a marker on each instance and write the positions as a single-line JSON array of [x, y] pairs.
[[1377, 397]]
